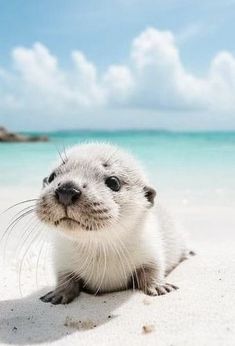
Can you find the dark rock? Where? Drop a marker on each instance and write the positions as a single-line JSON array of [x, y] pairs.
[[6, 136]]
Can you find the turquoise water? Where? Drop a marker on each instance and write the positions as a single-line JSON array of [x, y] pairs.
[[176, 161]]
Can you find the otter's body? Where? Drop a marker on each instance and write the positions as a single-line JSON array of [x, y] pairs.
[[110, 235], [108, 264]]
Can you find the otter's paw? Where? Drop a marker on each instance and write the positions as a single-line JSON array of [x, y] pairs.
[[60, 296], [160, 289]]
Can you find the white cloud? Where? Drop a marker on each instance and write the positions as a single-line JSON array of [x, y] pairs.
[[221, 82], [154, 77], [85, 85], [119, 84]]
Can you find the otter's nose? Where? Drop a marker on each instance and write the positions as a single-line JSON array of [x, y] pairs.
[[67, 194]]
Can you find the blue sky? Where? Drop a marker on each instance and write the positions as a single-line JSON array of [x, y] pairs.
[[77, 64]]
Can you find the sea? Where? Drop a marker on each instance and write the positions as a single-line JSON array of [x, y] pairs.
[[185, 166]]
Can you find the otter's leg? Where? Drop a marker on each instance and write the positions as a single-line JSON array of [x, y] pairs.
[[67, 289], [151, 282]]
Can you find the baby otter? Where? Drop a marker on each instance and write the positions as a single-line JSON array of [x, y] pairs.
[[109, 235]]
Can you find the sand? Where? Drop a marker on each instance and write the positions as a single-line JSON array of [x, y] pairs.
[[201, 312]]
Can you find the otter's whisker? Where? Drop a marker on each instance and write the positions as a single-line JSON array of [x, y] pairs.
[[23, 258], [86, 265], [14, 223], [16, 220], [15, 216], [134, 267], [11, 231], [61, 157], [21, 211], [15, 205], [30, 230], [121, 257], [105, 267], [39, 255], [129, 261], [68, 277], [44, 261], [92, 262], [27, 230], [64, 151]]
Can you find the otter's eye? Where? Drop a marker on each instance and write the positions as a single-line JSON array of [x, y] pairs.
[[51, 177], [113, 183]]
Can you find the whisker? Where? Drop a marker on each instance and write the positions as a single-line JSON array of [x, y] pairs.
[[10, 232], [27, 234], [14, 223], [39, 254], [61, 157], [44, 263], [72, 275], [123, 257], [22, 210], [64, 151], [83, 268], [91, 261], [26, 231], [17, 214], [15, 205], [23, 258], [130, 263], [105, 267]]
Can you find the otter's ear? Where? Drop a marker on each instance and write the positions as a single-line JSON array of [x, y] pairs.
[[45, 182], [150, 194]]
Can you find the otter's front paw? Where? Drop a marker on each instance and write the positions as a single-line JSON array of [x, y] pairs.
[[66, 291], [59, 297], [160, 289], [148, 281], [62, 295]]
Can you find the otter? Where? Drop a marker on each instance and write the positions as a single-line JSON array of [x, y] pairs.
[[109, 233]]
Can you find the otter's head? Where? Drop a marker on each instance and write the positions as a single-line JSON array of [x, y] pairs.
[[98, 188]]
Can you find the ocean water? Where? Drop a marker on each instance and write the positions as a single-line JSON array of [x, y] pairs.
[[190, 164]]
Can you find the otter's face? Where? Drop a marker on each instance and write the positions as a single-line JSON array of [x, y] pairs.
[[97, 188]]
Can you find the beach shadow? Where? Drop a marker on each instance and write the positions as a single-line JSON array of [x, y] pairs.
[[30, 321]]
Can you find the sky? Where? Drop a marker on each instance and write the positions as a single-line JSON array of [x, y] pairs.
[[117, 64]]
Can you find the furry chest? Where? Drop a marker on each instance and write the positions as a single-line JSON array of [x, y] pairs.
[[103, 272]]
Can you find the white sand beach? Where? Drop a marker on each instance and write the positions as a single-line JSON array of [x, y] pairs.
[[201, 312]]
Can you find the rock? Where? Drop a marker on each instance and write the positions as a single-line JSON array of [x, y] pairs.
[[6, 136]]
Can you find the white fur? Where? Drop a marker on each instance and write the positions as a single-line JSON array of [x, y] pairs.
[[138, 235], [105, 262]]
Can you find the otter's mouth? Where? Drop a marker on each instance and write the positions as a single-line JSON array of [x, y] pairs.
[[68, 220], [72, 222]]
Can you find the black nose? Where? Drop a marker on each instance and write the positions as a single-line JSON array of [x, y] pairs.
[[67, 194]]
